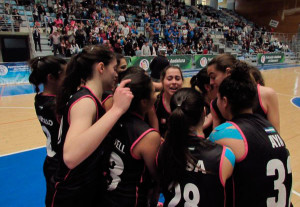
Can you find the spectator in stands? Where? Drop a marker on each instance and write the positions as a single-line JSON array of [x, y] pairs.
[[56, 42], [146, 49], [7, 9], [37, 38]]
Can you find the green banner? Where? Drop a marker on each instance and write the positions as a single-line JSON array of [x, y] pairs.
[[270, 58], [182, 61], [141, 61], [201, 61]]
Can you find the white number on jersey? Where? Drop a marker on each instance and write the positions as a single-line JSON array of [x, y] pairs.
[[273, 166], [190, 191], [116, 169], [50, 152]]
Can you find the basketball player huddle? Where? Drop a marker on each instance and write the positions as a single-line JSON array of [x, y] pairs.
[[113, 142]]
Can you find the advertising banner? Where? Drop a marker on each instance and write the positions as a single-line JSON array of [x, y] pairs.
[[141, 61], [270, 58], [201, 61], [182, 61], [14, 73]]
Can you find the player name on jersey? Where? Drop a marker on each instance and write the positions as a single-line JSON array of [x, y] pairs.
[[276, 141], [199, 167]]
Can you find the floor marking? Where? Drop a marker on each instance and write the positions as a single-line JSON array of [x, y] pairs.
[[296, 193], [12, 122], [22, 151], [291, 100]]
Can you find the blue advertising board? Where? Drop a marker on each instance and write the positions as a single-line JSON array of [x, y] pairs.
[[14, 73]]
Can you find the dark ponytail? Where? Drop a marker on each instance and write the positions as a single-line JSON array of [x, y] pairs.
[[239, 88], [200, 80], [187, 107], [80, 69], [41, 67]]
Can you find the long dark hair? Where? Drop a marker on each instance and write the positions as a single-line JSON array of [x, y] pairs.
[[223, 61], [239, 88], [200, 80], [187, 106], [41, 67], [140, 86], [254, 71], [80, 69]]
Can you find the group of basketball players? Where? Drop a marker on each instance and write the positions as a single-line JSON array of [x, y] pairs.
[[112, 142]]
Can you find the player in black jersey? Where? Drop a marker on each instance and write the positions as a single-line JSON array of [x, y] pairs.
[[201, 81], [84, 126], [219, 68], [262, 175], [192, 170], [134, 148], [172, 80], [50, 72]]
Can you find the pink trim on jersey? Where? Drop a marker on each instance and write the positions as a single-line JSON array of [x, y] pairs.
[[260, 100], [106, 99], [93, 94], [48, 94], [202, 137], [138, 115], [137, 141], [245, 141], [56, 184], [221, 165], [86, 96], [163, 102]]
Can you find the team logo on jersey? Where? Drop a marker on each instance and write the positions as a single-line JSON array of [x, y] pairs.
[[203, 62], [270, 130], [3, 70], [144, 63], [263, 59]]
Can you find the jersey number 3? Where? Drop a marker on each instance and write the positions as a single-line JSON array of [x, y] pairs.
[[116, 169], [272, 166]]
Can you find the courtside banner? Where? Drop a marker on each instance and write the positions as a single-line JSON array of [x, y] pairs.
[[14, 73], [201, 61], [182, 61], [141, 61], [270, 58]]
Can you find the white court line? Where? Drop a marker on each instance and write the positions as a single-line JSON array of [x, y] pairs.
[[23, 151], [296, 193], [15, 107]]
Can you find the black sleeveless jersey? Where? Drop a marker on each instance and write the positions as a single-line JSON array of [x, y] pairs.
[[263, 177], [81, 186], [258, 106], [45, 111], [162, 114], [125, 176], [201, 184], [106, 95]]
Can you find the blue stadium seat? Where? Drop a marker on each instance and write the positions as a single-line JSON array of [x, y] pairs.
[[13, 3], [28, 13], [31, 24], [21, 12], [1, 6], [15, 7], [1, 11], [21, 7]]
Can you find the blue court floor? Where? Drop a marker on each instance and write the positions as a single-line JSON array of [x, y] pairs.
[[22, 182]]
